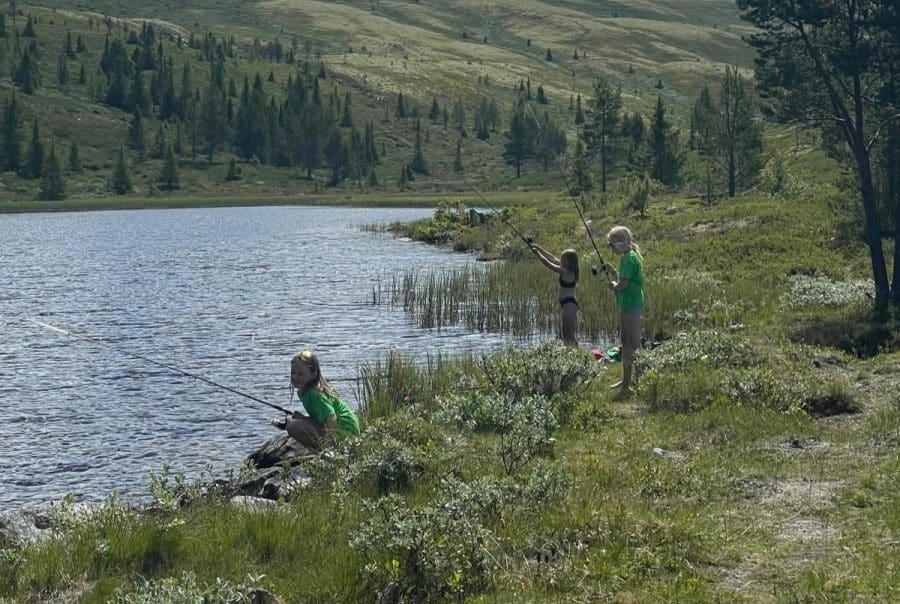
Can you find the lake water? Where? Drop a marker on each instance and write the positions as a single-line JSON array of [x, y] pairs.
[[228, 294]]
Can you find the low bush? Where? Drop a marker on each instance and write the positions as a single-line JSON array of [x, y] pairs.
[[186, 589]]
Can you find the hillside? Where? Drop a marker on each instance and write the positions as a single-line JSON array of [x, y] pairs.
[[449, 51]]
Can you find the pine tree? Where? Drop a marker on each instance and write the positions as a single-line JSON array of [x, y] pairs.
[[136, 137], [26, 75], [518, 140], [549, 56], [10, 136], [28, 32], [74, 163], [739, 136], [579, 113], [400, 113], [120, 182], [581, 170], [435, 111], [2, 24], [80, 46], [34, 159], [539, 97], [602, 134], [68, 49], [159, 142], [168, 175], [347, 119], [212, 120], [457, 159], [82, 76], [53, 186], [62, 70], [418, 164], [665, 155]]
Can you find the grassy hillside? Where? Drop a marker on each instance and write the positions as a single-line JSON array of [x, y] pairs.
[[463, 50]]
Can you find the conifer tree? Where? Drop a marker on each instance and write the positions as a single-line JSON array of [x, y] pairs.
[[371, 148], [549, 56], [26, 75], [579, 113], [459, 116], [400, 113], [665, 154], [347, 119], [34, 159], [602, 134], [539, 97], [68, 49], [80, 45], [418, 164], [739, 136], [2, 24], [435, 110], [518, 139], [168, 176], [82, 76], [53, 187], [28, 32], [62, 70], [10, 136], [120, 181], [212, 119], [159, 141], [581, 169], [457, 159], [74, 163], [136, 136]]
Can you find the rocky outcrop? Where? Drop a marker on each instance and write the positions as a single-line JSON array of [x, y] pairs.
[[276, 472]]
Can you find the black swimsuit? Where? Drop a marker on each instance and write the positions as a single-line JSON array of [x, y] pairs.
[[569, 299]]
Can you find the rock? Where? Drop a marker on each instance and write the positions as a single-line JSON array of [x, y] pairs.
[[23, 526], [277, 450], [276, 474]]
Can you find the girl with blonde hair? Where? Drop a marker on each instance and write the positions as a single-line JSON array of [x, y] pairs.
[[628, 284], [326, 415]]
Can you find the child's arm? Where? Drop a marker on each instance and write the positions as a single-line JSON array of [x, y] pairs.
[[546, 258]]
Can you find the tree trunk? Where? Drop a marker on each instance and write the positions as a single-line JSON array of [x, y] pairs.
[[873, 230]]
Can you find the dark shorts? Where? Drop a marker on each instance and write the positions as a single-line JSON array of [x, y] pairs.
[[569, 300]]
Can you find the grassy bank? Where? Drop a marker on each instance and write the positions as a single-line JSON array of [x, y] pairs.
[[756, 461]]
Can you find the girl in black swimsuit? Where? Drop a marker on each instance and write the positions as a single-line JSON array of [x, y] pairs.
[[567, 268]]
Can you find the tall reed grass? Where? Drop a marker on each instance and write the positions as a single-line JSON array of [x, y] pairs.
[[520, 298]]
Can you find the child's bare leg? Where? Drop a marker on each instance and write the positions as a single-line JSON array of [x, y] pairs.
[[305, 431]]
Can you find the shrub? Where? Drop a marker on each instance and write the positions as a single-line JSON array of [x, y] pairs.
[[186, 589], [424, 554], [548, 369], [390, 456]]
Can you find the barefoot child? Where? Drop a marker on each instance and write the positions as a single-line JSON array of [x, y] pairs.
[[567, 268], [628, 285]]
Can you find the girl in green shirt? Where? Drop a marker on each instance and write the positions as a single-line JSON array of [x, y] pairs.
[[628, 285], [326, 415]]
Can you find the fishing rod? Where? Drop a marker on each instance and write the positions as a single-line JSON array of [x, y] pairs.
[[605, 267], [103, 343], [528, 241]]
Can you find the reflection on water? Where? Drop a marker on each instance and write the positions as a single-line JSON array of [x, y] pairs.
[[228, 294]]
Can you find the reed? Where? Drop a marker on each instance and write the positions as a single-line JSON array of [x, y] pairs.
[[520, 298]]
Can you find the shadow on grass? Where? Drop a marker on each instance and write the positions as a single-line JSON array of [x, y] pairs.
[[860, 332]]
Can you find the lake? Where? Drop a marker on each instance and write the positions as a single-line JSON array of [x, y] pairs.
[[229, 294]]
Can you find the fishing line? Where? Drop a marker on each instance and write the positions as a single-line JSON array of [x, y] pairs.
[[604, 265], [527, 240], [103, 343]]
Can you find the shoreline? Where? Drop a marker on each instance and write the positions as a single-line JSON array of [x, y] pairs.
[[365, 200]]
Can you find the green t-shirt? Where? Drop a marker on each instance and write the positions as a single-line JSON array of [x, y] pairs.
[[321, 405], [631, 267]]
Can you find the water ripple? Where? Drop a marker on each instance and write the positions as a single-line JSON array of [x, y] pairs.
[[229, 294]]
